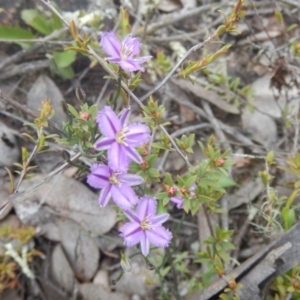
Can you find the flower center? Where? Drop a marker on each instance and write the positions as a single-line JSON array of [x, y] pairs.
[[146, 224], [120, 136], [113, 179], [126, 51]]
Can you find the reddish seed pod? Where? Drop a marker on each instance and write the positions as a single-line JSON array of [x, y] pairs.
[[84, 115], [183, 190], [232, 284], [144, 164], [296, 285], [171, 191], [145, 152], [220, 162]]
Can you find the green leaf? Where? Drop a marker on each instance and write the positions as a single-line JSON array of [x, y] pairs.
[[191, 181], [66, 73], [288, 216], [73, 111], [16, 33], [36, 20], [64, 59], [225, 182]]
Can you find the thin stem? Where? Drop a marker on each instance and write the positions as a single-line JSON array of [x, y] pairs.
[[211, 229], [174, 145], [24, 171], [168, 76]]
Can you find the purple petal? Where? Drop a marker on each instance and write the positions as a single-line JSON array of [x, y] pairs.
[[132, 216], [124, 116], [113, 59], [99, 177], [124, 197], [159, 237], [178, 201], [159, 219], [138, 134], [108, 122], [145, 245], [104, 196], [133, 155], [117, 158], [133, 44], [146, 207], [142, 59], [130, 65], [104, 143], [110, 44], [131, 179], [131, 233]]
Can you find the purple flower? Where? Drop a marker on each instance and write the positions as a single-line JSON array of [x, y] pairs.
[[120, 140], [115, 185], [179, 200], [123, 53], [145, 227]]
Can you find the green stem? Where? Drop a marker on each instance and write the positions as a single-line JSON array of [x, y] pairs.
[[117, 93]]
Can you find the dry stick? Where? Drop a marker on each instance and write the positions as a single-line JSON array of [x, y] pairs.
[[296, 137], [24, 170], [35, 186], [194, 48], [103, 90], [186, 36], [290, 2], [25, 68], [177, 17]]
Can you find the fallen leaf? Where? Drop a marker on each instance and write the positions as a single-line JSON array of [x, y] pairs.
[[211, 96], [169, 5]]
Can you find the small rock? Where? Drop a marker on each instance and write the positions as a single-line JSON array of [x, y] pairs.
[[261, 127], [61, 270], [101, 277], [90, 291], [80, 249]]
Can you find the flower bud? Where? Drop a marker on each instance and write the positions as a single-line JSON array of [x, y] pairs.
[[125, 263], [232, 284], [151, 267], [145, 152], [144, 165], [171, 190], [183, 190], [80, 94], [220, 162], [84, 115]]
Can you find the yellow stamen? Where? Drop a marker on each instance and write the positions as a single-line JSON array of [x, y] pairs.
[[113, 179], [120, 136], [146, 224]]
